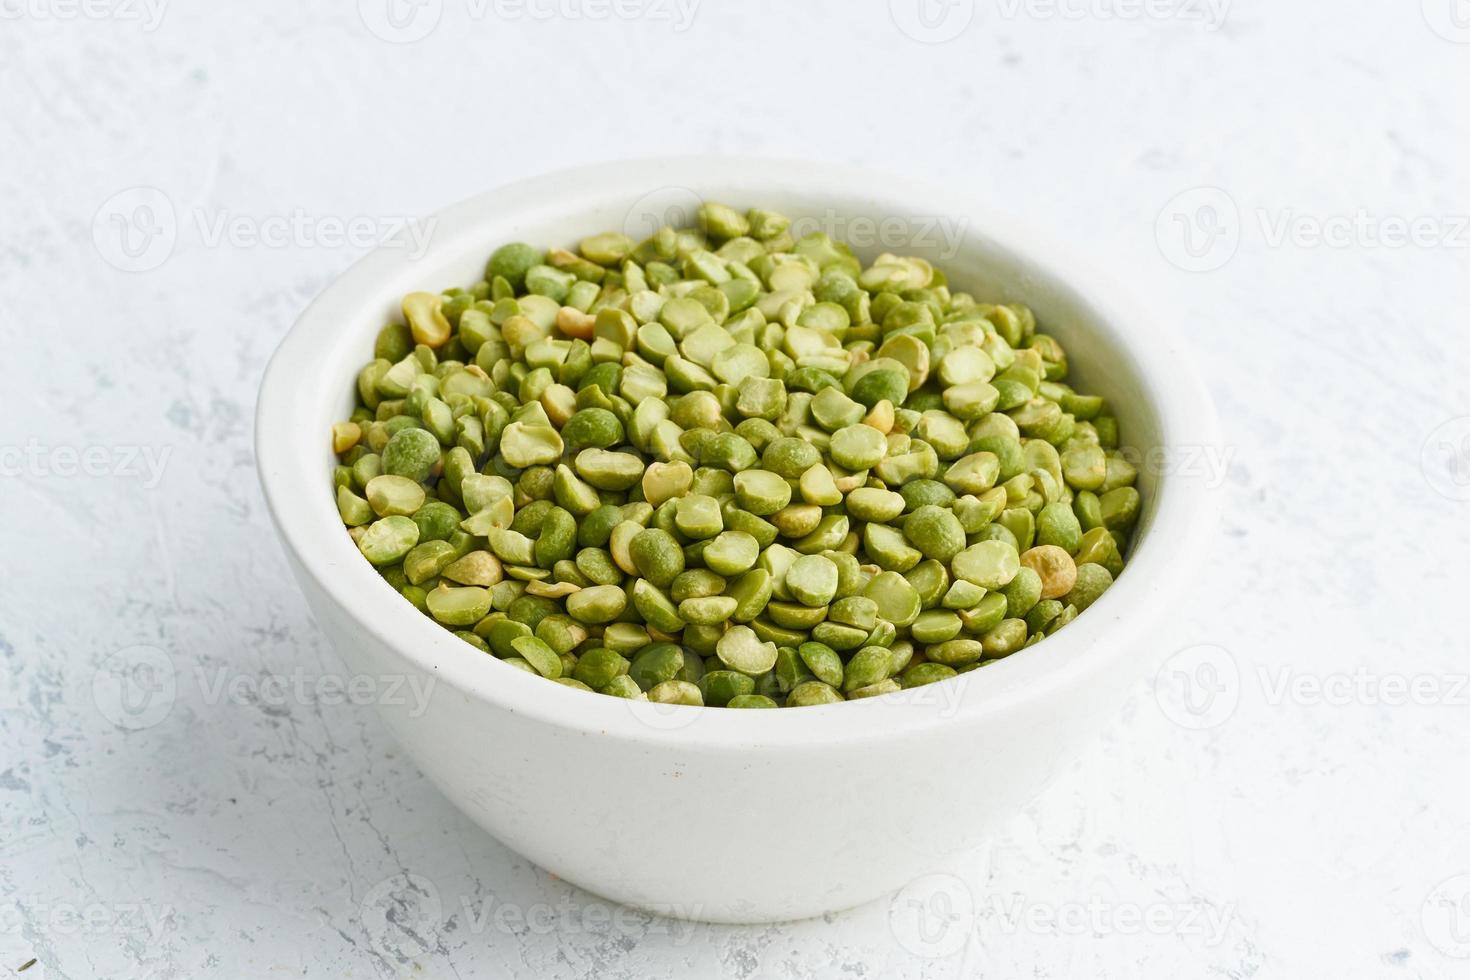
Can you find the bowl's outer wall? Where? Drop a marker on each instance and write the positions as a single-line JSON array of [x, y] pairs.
[[730, 835], [701, 813]]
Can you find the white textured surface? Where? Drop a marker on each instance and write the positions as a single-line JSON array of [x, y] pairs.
[[223, 830]]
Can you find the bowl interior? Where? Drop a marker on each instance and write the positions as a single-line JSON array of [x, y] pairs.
[[1112, 351]]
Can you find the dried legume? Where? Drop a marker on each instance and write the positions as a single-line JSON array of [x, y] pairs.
[[725, 467]]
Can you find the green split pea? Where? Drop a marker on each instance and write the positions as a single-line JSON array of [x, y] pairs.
[[725, 466]]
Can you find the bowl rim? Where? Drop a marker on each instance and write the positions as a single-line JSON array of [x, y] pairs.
[[1183, 516]]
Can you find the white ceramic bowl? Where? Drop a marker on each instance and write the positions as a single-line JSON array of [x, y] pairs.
[[713, 814]]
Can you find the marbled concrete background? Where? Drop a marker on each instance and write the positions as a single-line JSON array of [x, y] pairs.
[[184, 792]]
